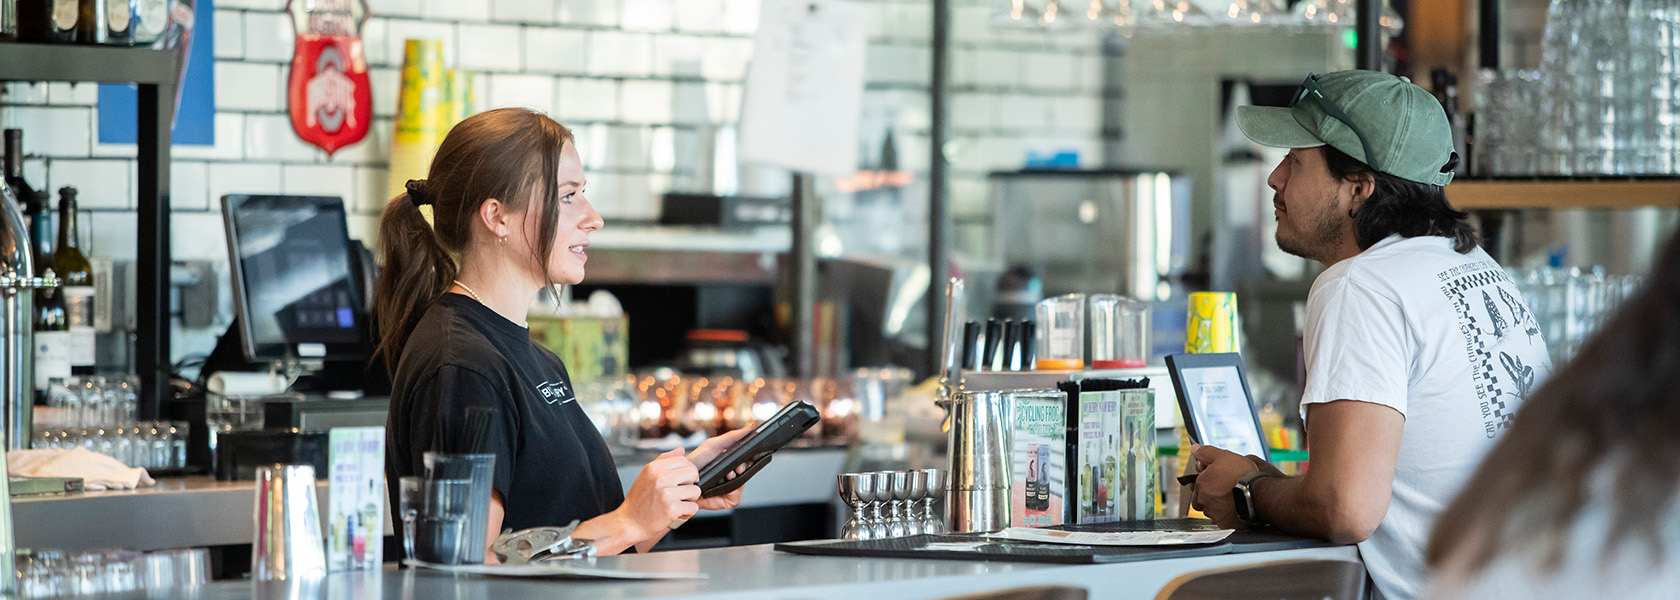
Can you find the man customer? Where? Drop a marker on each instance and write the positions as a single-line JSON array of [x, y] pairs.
[[1418, 348]]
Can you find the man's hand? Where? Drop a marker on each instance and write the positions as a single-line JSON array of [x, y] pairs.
[[1220, 470]]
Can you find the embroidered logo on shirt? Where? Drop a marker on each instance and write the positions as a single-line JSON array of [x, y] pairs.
[[555, 392]]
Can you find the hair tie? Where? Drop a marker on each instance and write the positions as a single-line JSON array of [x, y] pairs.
[[417, 192]]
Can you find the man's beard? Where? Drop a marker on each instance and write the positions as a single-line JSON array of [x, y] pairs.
[[1318, 240]]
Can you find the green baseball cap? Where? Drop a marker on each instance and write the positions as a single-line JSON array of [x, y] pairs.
[[1403, 126]]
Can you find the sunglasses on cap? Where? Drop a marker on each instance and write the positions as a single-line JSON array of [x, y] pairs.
[[1309, 87]]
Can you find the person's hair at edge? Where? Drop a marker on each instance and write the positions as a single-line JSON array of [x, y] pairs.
[[510, 154], [1401, 206], [1609, 407]]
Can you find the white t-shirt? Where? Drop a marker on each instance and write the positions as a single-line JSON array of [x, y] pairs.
[[1445, 339], [1593, 566]]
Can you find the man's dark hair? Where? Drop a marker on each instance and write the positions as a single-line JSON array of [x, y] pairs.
[[1401, 206]]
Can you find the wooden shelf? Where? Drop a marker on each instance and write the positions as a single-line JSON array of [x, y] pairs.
[[1564, 193]]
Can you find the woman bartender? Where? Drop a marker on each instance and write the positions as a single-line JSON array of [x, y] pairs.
[[509, 216]]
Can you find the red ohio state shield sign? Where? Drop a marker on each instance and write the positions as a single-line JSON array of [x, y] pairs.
[[330, 101]]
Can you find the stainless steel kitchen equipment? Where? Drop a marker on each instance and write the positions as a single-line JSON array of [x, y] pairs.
[[17, 330], [1117, 231], [17, 360]]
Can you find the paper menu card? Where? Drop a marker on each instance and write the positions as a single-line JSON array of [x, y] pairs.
[[355, 499], [1118, 538], [1038, 461], [1115, 460], [804, 89]]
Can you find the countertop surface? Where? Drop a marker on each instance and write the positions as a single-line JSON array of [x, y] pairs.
[[752, 572], [200, 511]]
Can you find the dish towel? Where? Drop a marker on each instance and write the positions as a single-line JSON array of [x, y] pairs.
[[98, 472]]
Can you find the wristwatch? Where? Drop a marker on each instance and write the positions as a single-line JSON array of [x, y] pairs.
[[1243, 495]]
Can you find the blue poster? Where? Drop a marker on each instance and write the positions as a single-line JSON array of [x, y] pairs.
[[195, 118]]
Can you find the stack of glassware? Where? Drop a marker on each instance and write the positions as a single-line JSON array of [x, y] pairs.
[[98, 413], [1610, 88], [152, 445], [1569, 305], [1128, 16], [60, 574], [1508, 107], [93, 400]]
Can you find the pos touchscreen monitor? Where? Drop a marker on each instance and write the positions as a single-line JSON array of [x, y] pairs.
[[1214, 398], [295, 288]]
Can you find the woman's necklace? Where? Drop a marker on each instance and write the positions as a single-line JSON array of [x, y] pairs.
[[470, 292]]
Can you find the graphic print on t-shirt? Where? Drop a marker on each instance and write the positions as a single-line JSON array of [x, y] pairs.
[[555, 392], [1502, 380]]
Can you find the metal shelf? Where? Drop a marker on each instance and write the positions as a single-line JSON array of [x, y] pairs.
[[155, 73], [1564, 193], [70, 62]]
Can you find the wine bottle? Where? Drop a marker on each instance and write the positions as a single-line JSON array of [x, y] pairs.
[[52, 338], [1044, 478], [76, 277], [21, 190], [1110, 478], [1031, 493], [90, 22], [41, 229], [8, 21]]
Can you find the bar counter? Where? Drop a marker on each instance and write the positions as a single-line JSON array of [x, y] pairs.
[[758, 572], [199, 511]]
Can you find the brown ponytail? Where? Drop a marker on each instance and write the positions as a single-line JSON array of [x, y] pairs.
[[510, 154]]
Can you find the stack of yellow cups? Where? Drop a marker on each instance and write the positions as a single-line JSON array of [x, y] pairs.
[[1212, 328], [421, 113]]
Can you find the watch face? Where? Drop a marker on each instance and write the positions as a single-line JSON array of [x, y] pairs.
[[1245, 503]]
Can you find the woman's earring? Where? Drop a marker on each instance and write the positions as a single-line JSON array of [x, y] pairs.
[[504, 240]]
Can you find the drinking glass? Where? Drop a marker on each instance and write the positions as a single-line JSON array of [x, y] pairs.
[[478, 469], [1119, 332], [409, 502], [232, 413], [442, 521], [1061, 333]]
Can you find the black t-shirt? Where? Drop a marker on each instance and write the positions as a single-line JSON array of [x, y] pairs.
[[552, 466]]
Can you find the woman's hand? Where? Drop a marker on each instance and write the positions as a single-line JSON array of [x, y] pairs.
[[711, 449], [664, 492]]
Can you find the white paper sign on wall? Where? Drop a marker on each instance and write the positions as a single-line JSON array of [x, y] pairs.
[[804, 88]]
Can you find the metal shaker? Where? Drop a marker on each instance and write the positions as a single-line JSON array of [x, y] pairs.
[[288, 545], [977, 430], [980, 476]]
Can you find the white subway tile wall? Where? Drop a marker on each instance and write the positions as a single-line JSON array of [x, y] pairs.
[[646, 85], [100, 184], [269, 37], [490, 48]]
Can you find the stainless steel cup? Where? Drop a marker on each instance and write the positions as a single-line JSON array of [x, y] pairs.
[[288, 544], [936, 488], [979, 446]]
